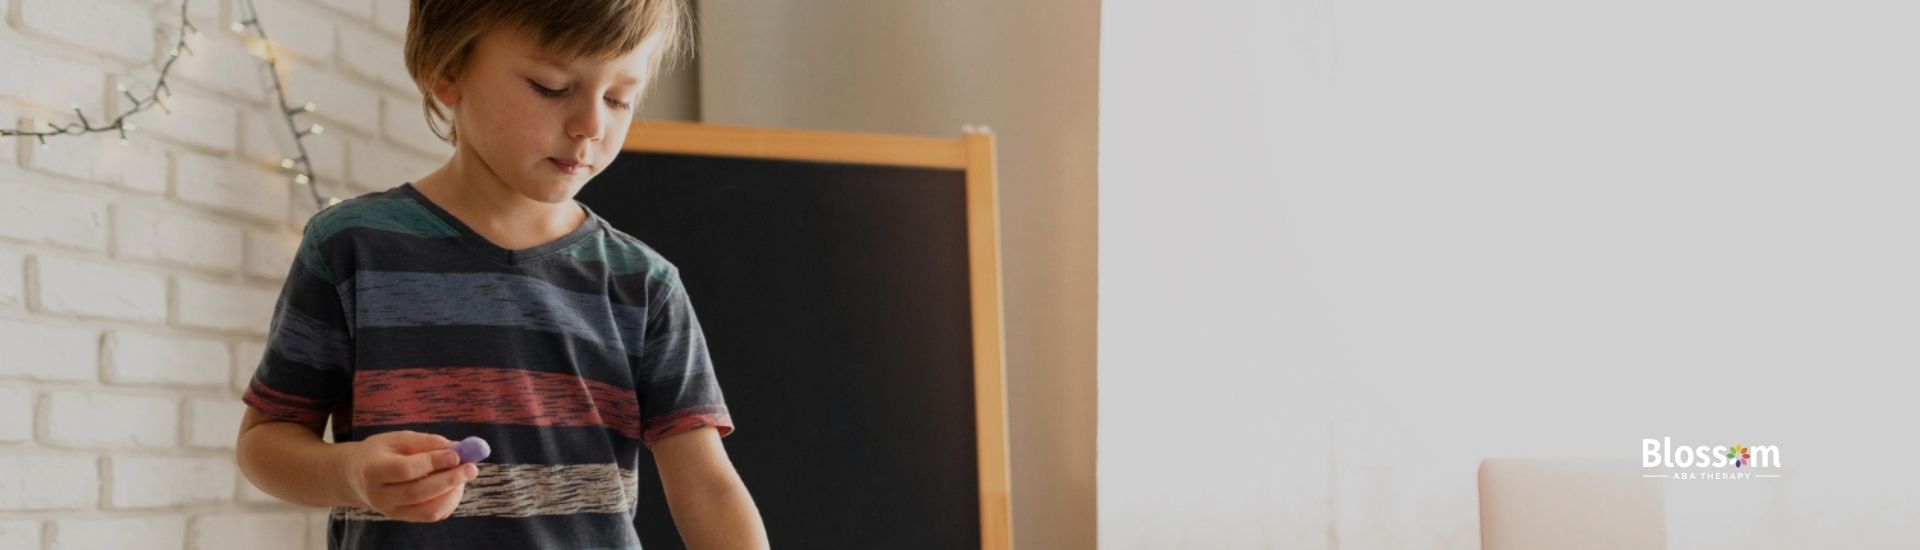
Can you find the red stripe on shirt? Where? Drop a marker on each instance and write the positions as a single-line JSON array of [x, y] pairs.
[[686, 420], [485, 395], [308, 412]]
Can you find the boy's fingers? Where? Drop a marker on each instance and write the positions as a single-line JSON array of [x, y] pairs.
[[416, 466], [430, 487], [431, 509], [416, 442]]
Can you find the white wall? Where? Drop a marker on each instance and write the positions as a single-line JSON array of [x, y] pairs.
[[1349, 249], [136, 281], [1025, 69]]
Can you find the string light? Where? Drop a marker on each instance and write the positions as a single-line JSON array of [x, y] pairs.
[[137, 104], [257, 41], [300, 163]]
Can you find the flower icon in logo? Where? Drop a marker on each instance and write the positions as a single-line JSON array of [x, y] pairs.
[[1739, 455]]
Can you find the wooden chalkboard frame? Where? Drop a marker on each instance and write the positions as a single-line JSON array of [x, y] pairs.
[[973, 153]]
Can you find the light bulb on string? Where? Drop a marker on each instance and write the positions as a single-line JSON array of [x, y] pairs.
[[189, 39]]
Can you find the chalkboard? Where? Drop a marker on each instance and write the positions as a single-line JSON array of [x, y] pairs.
[[848, 286]]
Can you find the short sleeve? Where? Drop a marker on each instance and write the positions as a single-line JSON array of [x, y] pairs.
[[677, 388], [306, 373]]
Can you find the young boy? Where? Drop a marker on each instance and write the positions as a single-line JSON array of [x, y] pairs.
[[482, 300]]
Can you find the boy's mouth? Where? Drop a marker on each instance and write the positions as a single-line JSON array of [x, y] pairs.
[[569, 167]]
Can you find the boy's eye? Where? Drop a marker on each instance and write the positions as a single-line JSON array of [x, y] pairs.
[[545, 91], [550, 92]]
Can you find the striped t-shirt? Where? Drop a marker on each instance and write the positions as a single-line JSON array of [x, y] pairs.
[[567, 357]]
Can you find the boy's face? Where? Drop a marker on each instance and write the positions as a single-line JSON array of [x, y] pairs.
[[529, 116]]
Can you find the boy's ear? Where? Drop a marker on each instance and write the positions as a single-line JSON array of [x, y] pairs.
[[447, 93], [447, 90]]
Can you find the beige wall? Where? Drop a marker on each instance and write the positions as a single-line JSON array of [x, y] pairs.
[[675, 93], [1026, 69]]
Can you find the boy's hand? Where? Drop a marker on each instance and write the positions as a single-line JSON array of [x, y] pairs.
[[408, 476]]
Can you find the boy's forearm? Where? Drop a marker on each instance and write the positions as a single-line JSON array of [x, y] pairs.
[[292, 463], [723, 518]]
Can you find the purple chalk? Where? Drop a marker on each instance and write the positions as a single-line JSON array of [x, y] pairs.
[[472, 449]]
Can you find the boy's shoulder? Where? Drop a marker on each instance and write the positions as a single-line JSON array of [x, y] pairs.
[[389, 211], [624, 254], [327, 238]]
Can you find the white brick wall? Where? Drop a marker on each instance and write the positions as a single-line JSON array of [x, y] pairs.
[[48, 351], [134, 357], [107, 26], [148, 481], [49, 216], [57, 83], [365, 53], [221, 306], [269, 255], [214, 423], [48, 482], [142, 532], [246, 357], [96, 288], [13, 278], [137, 280], [348, 102], [181, 238], [97, 420], [20, 533], [311, 38], [196, 120], [230, 187], [16, 414]]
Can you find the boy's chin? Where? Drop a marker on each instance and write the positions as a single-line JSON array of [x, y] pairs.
[[552, 190]]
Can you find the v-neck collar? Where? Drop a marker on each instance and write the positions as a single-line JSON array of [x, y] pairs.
[[485, 246]]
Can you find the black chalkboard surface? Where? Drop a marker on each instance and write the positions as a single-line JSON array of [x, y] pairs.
[[841, 301]]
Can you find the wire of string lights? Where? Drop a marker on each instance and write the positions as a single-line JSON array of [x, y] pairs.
[[300, 164]]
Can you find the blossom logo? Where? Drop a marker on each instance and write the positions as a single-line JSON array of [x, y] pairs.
[[1661, 453], [1740, 450]]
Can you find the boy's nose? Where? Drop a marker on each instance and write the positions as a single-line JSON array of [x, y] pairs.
[[586, 123]]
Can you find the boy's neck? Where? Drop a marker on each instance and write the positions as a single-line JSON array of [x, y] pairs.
[[489, 207]]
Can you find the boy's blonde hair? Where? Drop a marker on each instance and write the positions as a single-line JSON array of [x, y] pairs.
[[441, 35]]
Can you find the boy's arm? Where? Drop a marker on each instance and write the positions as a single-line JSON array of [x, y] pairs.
[[408, 476], [292, 463], [710, 505]]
